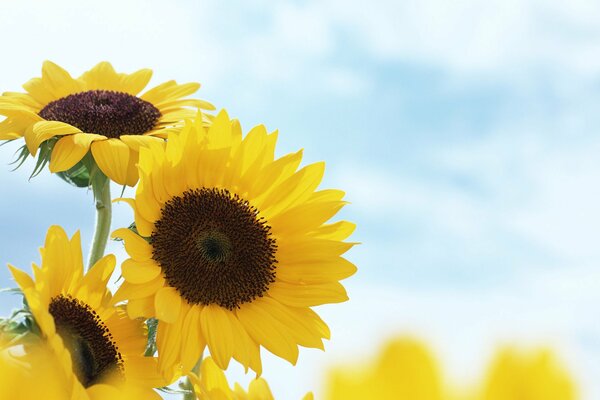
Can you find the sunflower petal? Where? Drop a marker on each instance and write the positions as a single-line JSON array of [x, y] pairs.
[[167, 304], [44, 130], [112, 157], [70, 149]]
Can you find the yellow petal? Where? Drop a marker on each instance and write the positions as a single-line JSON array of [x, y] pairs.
[[192, 342], [136, 82], [143, 307], [259, 390], [139, 272], [100, 273], [136, 246], [137, 141], [267, 330], [101, 76], [316, 271], [70, 149], [301, 295], [112, 157], [44, 130], [167, 304], [218, 333], [59, 80], [23, 280]]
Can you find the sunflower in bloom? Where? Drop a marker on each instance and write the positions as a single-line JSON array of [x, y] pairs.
[[212, 384], [404, 370], [232, 247], [532, 376], [102, 110], [99, 349]]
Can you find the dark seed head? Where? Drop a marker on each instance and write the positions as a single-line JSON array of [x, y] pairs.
[[93, 352], [104, 112], [214, 249]]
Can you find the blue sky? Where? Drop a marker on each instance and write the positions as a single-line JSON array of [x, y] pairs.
[[464, 133]]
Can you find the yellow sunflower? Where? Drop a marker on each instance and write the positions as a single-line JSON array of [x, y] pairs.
[[232, 248], [97, 345], [212, 384], [535, 375], [101, 110], [404, 370], [23, 363]]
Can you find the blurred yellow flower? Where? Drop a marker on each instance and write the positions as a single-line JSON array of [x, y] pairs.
[[527, 375], [406, 370], [31, 372]]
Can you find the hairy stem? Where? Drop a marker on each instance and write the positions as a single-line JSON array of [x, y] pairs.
[[101, 189]]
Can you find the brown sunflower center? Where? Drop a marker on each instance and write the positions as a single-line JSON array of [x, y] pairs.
[[104, 112], [87, 338], [214, 248]]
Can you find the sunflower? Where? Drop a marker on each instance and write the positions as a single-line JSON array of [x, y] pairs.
[[97, 345], [535, 375], [212, 384], [22, 363], [101, 110], [232, 247], [404, 370]]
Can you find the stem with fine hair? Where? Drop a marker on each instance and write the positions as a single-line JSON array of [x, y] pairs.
[[101, 189]]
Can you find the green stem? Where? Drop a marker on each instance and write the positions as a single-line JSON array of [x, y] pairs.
[[187, 384], [101, 189]]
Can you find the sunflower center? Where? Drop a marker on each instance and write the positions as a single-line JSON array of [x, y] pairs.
[[214, 248], [104, 112], [93, 352]]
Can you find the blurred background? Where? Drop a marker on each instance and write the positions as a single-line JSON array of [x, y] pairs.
[[463, 132]]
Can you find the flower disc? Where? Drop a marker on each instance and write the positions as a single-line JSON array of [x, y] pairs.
[[214, 249]]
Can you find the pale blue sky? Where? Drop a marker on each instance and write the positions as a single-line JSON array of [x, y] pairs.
[[465, 134]]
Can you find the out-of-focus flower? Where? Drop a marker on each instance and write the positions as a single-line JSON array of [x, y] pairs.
[[101, 110], [29, 371], [234, 247], [535, 375], [212, 384], [98, 347], [404, 370]]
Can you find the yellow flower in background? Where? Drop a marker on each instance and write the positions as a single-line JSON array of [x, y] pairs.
[[30, 372], [234, 247], [212, 384], [98, 347], [527, 375], [101, 110], [404, 370]]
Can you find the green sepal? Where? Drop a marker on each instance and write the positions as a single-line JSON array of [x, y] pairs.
[[152, 324]]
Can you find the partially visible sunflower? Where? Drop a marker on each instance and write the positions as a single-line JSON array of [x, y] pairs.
[[234, 247], [101, 110], [405, 369], [535, 375], [98, 347], [212, 384], [30, 371]]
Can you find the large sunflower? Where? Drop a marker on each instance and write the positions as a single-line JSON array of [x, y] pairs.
[[101, 110], [97, 345], [233, 248]]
